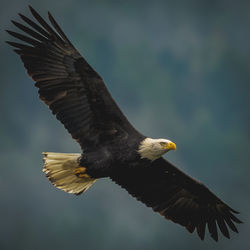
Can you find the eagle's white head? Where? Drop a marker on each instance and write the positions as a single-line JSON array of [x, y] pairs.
[[155, 148]]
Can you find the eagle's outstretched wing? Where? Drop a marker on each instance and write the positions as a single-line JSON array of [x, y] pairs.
[[177, 197], [71, 88]]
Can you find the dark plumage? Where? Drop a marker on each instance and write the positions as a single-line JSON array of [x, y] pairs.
[[78, 97]]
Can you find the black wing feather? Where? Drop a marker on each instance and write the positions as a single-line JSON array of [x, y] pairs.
[[71, 88], [35, 26], [29, 31], [177, 197]]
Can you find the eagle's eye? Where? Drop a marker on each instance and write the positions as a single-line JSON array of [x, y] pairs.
[[163, 143]]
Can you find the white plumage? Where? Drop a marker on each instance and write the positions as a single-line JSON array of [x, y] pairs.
[[60, 170], [153, 149]]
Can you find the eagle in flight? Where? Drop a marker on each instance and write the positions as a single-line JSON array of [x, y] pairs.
[[111, 147]]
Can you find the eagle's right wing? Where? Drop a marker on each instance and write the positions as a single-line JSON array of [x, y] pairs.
[[71, 88], [177, 197]]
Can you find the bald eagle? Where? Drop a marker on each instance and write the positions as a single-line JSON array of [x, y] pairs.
[[111, 146]]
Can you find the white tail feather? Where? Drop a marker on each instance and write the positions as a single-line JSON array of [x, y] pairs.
[[60, 167]]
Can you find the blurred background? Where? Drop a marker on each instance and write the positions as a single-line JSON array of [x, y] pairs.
[[179, 70]]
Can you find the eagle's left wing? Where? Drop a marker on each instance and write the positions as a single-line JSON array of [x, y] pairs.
[[178, 197], [73, 90]]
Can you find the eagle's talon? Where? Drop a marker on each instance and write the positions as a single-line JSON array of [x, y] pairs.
[[80, 172]]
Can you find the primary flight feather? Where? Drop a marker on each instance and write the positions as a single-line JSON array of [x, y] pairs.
[[111, 146]]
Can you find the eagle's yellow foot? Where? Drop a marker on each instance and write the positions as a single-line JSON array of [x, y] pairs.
[[81, 172]]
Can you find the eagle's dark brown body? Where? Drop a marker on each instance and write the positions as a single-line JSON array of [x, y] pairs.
[[122, 153]]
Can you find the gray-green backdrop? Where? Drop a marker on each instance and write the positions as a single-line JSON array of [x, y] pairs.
[[179, 70]]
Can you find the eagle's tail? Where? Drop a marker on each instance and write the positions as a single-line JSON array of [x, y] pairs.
[[64, 171]]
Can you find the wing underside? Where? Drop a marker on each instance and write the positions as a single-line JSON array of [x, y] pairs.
[[72, 89], [178, 197]]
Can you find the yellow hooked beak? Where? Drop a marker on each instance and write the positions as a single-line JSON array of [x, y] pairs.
[[170, 146]]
